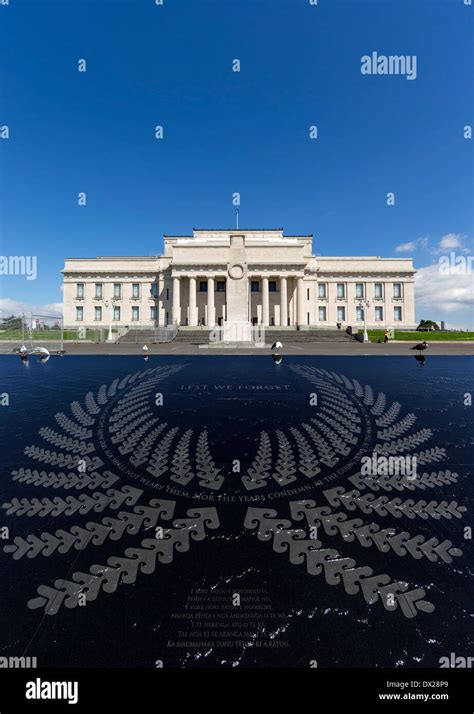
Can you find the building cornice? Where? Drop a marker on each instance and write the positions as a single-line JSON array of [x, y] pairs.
[[111, 274], [115, 257], [197, 269], [360, 276], [278, 267]]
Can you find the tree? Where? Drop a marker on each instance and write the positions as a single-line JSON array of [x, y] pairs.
[[11, 323], [427, 325]]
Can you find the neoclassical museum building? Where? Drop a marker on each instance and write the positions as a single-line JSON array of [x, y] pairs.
[[215, 276]]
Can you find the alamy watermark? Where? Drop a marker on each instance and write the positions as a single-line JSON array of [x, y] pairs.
[[456, 662], [389, 64], [376, 465], [239, 333], [19, 265], [43, 689], [455, 264], [18, 663]]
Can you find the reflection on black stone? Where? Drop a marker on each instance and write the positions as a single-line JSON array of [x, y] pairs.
[[277, 358]]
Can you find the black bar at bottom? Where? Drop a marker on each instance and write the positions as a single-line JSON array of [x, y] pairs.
[[358, 690]]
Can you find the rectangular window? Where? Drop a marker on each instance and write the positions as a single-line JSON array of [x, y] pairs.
[[341, 313], [167, 297], [359, 290], [98, 314], [397, 313], [79, 313], [80, 290], [98, 290], [116, 313], [203, 286], [397, 290], [117, 291], [272, 286], [135, 313], [341, 290], [322, 290], [154, 290], [153, 312], [322, 313], [378, 290], [255, 286], [378, 313], [135, 290], [307, 296], [359, 313], [220, 286]]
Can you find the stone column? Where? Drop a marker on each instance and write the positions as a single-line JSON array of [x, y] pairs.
[[176, 309], [211, 310], [283, 302], [159, 303], [265, 302], [300, 303], [192, 302]]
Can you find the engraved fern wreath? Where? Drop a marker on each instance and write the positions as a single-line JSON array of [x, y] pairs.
[[86, 462]]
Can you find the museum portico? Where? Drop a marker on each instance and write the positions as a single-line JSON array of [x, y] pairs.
[[214, 277]]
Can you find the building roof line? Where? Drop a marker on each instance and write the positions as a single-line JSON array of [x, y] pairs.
[[356, 257], [120, 257]]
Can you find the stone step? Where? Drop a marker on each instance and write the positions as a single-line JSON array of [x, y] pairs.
[[139, 336], [144, 336], [271, 336]]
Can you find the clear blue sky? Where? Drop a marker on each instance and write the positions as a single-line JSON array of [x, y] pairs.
[[227, 132]]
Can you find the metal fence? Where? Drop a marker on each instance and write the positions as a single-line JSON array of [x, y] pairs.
[[48, 331], [31, 331], [44, 331]]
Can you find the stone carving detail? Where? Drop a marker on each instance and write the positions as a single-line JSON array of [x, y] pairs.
[[209, 475], [337, 569], [92, 533], [77, 484], [236, 271], [124, 570], [259, 472]]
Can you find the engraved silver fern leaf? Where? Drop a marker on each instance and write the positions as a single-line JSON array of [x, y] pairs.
[[100, 444]]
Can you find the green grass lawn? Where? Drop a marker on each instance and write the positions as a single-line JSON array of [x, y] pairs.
[[46, 335], [374, 335]]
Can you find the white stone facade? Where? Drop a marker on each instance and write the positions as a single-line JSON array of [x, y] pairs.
[[257, 276]]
